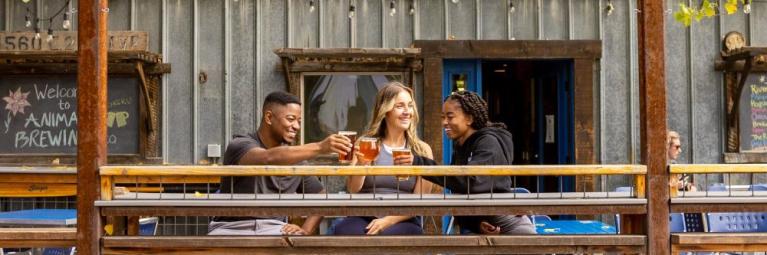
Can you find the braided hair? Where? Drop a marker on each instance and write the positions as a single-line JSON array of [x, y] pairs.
[[473, 105]]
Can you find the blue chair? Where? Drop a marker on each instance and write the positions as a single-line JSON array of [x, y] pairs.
[[717, 187], [676, 223], [147, 226], [693, 222], [59, 251], [737, 222], [758, 187]]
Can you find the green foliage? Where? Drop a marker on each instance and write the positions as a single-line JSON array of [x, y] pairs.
[[708, 8]]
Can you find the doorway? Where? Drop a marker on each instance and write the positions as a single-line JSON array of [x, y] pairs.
[[534, 98]]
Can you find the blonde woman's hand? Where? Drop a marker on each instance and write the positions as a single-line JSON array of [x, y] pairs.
[[404, 160], [361, 158]]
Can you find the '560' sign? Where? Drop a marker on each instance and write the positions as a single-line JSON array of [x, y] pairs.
[[67, 41]]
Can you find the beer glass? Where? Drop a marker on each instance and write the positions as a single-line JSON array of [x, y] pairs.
[[352, 135], [401, 152], [369, 148]]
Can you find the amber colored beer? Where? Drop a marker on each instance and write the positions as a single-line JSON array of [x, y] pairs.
[[401, 152], [369, 148], [352, 135]]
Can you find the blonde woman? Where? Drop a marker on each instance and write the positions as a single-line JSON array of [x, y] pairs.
[[395, 119]]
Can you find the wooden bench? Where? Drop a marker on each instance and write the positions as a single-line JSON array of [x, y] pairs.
[[718, 242], [37, 237], [373, 244]]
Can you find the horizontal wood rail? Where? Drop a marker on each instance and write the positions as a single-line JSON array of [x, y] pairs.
[[374, 244], [37, 237], [717, 168], [516, 170], [718, 242]]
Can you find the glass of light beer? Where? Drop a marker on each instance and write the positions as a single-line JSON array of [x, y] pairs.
[[401, 152], [352, 135], [369, 148]]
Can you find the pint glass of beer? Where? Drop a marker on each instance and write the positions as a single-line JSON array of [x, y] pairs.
[[369, 148], [401, 152], [352, 135]]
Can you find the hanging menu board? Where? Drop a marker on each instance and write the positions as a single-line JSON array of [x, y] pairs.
[[753, 114], [38, 114]]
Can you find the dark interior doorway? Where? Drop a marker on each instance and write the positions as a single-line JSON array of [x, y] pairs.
[[534, 99]]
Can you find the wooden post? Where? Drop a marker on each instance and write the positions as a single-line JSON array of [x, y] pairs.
[[652, 87], [91, 119]]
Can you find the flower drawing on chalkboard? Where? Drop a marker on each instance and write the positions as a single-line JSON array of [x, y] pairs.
[[15, 103]]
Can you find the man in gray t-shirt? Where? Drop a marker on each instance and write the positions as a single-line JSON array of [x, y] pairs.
[[270, 145]]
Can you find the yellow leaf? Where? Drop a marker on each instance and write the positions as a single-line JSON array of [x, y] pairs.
[[684, 15], [109, 229], [708, 9], [731, 6]]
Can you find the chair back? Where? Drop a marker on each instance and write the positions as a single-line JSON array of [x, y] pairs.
[[147, 226], [519, 190], [758, 187], [693, 222], [717, 187], [59, 251], [676, 223], [736, 222]]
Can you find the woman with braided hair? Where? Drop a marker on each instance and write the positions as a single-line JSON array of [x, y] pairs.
[[477, 141]]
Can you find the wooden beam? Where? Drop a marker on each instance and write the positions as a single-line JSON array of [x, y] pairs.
[[517, 49], [432, 102], [371, 210], [717, 168], [721, 242], [91, 119], [374, 244], [37, 237], [516, 170], [652, 92]]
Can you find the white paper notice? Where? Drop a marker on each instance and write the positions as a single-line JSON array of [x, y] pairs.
[[549, 128]]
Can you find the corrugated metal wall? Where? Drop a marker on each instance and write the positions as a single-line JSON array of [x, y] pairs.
[[231, 42]]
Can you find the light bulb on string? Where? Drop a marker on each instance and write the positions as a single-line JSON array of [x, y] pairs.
[[66, 24], [311, 6], [511, 6], [747, 7], [37, 33], [50, 35], [412, 9], [609, 7], [392, 8], [351, 11], [27, 22], [455, 1]]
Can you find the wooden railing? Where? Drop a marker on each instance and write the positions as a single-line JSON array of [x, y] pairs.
[[718, 201], [121, 206]]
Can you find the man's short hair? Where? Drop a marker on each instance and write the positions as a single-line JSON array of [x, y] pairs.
[[280, 98], [671, 136]]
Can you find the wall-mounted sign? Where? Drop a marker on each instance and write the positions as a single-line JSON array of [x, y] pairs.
[[753, 114], [38, 114], [67, 41]]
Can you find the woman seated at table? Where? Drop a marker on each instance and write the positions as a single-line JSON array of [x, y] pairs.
[[477, 141], [392, 131]]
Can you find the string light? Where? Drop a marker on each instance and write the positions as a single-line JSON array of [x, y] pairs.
[[66, 24], [609, 7], [311, 6], [412, 9], [37, 32], [511, 6], [50, 35], [27, 19], [351, 10], [392, 8], [747, 7], [455, 1]]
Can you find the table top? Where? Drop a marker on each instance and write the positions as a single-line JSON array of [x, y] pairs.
[[40, 217], [574, 227]]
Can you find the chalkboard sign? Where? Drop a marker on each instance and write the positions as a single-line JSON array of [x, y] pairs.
[[39, 114], [753, 114]]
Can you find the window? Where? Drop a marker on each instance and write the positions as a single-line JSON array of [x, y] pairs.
[[339, 101]]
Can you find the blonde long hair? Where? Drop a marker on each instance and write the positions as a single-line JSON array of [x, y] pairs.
[[384, 104]]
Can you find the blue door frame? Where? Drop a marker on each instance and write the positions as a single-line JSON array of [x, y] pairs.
[[452, 67]]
